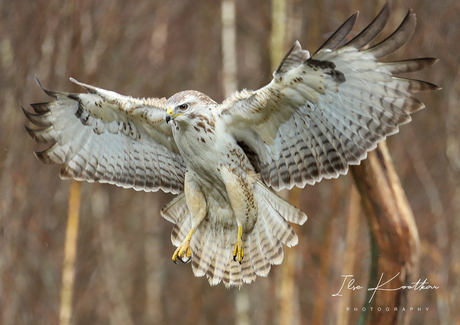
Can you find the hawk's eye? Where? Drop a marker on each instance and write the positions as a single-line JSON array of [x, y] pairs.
[[183, 107]]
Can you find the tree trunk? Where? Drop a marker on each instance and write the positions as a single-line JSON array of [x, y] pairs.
[[395, 240]]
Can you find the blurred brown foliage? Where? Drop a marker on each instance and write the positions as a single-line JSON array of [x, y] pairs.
[[124, 274]]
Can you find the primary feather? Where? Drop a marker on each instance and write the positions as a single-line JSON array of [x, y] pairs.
[[321, 114]]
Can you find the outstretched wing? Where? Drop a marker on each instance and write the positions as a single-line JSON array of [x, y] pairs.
[[106, 137], [321, 114]]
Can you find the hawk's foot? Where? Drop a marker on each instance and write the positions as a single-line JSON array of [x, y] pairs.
[[238, 251], [183, 253]]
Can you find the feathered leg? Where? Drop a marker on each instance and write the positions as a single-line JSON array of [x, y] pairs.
[[239, 190], [196, 203]]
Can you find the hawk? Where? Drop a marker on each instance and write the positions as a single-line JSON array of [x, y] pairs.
[[318, 115]]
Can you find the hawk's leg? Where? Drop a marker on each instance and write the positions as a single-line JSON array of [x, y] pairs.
[[244, 205], [196, 203], [183, 252]]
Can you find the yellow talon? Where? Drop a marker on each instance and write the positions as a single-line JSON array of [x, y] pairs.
[[239, 248], [183, 252]]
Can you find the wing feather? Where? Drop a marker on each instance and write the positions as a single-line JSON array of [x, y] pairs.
[[399, 37], [406, 66], [372, 30], [340, 34], [321, 114], [106, 137]]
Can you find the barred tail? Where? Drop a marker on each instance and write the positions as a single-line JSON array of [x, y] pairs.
[[212, 246]]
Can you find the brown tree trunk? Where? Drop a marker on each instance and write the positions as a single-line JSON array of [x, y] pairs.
[[395, 240]]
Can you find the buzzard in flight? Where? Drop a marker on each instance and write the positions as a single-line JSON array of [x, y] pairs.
[[318, 115]]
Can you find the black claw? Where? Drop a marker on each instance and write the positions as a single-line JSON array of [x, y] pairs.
[[186, 260], [234, 259], [175, 262]]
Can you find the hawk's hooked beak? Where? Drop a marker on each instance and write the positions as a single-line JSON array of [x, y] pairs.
[[170, 115]]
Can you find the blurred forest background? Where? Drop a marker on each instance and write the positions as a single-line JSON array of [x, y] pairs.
[[123, 269]]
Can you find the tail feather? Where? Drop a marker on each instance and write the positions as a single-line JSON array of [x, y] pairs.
[[235, 278], [259, 262], [278, 226], [181, 230], [206, 252], [288, 211], [176, 210], [221, 264], [212, 246], [177, 213], [247, 271], [271, 246]]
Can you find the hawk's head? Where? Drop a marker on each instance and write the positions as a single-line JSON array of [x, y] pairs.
[[187, 106]]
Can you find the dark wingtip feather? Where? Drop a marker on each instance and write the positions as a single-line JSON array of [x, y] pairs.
[[37, 119], [40, 108], [31, 132], [51, 93], [38, 82], [430, 87], [397, 39], [44, 156], [372, 30], [412, 105], [47, 91], [408, 66], [39, 135], [427, 86], [415, 86], [428, 62], [26, 113], [340, 34]]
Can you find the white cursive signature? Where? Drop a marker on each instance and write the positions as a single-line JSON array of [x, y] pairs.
[[417, 286]]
